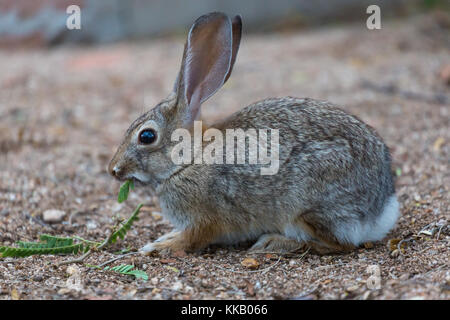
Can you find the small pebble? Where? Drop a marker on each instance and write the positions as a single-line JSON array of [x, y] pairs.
[[91, 225], [352, 288], [177, 286], [38, 278], [53, 215]]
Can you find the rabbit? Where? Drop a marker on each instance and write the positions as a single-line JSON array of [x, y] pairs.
[[333, 191]]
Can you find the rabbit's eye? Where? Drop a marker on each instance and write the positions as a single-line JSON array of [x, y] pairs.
[[147, 136]]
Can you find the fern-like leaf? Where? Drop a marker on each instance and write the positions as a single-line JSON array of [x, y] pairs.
[[36, 250], [126, 226], [139, 274], [47, 241], [127, 269]]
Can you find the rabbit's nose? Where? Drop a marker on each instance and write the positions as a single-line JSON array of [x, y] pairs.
[[114, 171]]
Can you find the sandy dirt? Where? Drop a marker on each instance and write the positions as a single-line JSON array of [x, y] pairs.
[[64, 111]]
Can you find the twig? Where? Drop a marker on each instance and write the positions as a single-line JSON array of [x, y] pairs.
[[87, 241], [77, 260], [107, 240], [434, 225], [89, 252], [425, 228], [399, 244], [439, 232], [117, 258]]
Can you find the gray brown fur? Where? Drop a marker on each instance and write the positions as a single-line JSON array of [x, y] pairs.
[[334, 177]]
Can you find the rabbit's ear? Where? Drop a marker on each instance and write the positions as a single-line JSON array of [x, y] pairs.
[[237, 33], [206, 64]]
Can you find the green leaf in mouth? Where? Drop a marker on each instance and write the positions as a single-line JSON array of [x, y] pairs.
[[125, 190]]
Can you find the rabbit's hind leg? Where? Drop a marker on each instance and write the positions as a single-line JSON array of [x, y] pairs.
[[321, 238], [276, 243]]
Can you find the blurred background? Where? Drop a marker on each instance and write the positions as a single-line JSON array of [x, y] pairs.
[[43, 22], [67, 97]]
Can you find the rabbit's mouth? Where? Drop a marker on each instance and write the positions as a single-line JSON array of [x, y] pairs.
[[141, 178], [137, 182]]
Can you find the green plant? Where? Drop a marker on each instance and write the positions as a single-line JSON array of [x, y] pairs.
[[124, 190], [128, 270], [58, 245], [126, 226], [47, 245]]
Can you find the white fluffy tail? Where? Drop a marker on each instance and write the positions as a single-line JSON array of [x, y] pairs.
[[358, 233]]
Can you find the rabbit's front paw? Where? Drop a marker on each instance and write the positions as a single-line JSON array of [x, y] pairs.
[[170, 242], [189, 239]]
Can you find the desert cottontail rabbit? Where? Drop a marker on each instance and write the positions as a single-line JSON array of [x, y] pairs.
[[332, 190]]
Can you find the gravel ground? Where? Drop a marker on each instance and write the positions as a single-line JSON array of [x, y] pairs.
[[63, 113]]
